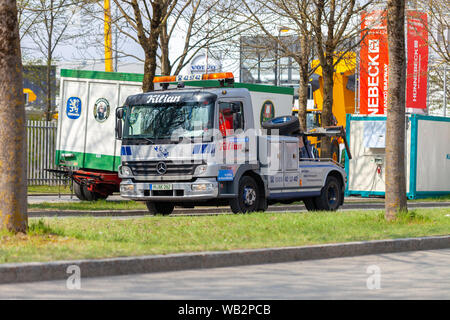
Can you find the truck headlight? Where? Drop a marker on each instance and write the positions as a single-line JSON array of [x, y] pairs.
[[126, 171], [126, 188], [202, 187], [200, 169]]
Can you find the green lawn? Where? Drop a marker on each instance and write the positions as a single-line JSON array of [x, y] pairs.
[[49, 189], [77, 238], [434, 199], [90, 205]]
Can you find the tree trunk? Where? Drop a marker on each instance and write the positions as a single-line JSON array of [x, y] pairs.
[[152, 46], [395, 123], [327, 108], [164, 41], [304, 81], [13, 179], [147, 83], [48, 111], [302, 102], [150, 64]]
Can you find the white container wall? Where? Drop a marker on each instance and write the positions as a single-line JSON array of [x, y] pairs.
[[427, 156]]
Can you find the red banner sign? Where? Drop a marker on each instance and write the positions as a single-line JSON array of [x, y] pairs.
[[417, 61], [374, 61]]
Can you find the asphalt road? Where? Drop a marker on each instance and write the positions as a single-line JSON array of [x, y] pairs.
[[408, 275], [350, 204]]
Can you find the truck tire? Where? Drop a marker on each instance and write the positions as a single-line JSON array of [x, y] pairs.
[[248, 197], [78, 189], [285, 125], [163, 208], [89, 195], [310, 204], [331, 196]]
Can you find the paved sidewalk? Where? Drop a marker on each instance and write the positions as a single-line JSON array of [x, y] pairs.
[[406, 275]]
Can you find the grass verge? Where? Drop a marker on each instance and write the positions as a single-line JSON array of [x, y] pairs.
[[52, 239], [64, 189], [90, 205]]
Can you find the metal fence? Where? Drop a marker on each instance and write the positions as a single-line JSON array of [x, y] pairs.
[[41, 140]]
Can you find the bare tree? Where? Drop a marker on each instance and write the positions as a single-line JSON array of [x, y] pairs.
[[13, 180], [145, 20], [166, 33], [325, 28], [205, 25], [438, 23], [26, 17], [334, 37], [438, 39], [395, 122], [288, 16], [49, 31]]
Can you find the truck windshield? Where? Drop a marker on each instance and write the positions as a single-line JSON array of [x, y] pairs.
[[169, 121]]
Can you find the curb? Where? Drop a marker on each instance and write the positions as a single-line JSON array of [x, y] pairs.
[[30, 272]]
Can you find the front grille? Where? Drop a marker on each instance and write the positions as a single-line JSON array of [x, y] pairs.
[[148, 168], [163, 193]]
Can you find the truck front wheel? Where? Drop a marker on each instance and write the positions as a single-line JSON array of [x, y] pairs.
[[331, 196], [164, 208], [248, 197]]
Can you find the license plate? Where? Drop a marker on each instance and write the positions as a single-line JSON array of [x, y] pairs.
[[161, 186]]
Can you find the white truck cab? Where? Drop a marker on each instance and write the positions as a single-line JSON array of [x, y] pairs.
[[210, 146]]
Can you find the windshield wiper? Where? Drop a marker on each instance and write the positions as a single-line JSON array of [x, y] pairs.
[[147, 139]]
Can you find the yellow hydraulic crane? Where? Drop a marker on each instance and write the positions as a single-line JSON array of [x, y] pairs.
[[108, 37]]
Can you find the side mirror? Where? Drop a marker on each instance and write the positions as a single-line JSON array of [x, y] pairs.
[[119, 113], [119, 117]]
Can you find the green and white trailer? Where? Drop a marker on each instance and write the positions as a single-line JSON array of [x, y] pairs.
[[427, 156], [86, 144]]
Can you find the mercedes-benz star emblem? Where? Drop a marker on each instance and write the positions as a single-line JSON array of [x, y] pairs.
[[161, 168]]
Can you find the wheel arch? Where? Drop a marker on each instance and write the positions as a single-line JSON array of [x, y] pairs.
[[337, 175], [259, 181], [340, 177]]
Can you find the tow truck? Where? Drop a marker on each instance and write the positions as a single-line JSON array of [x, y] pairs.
[[202, 146]]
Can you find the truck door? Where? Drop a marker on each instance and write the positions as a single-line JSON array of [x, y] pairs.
[[234, 146]]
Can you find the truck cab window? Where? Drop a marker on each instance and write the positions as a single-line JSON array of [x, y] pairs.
[[231, 117]]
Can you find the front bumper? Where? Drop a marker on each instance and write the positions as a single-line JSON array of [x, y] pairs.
[[201, 189]]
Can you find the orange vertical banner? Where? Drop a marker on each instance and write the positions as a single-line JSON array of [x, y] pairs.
[[374, 63], [417, 62]]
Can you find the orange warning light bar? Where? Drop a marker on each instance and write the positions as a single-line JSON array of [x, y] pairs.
[[194, 77], [162, 79], [218, 76]]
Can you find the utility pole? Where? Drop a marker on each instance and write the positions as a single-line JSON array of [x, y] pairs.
[[116, 53], [108, 37], [13, 149], [445, 91]]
